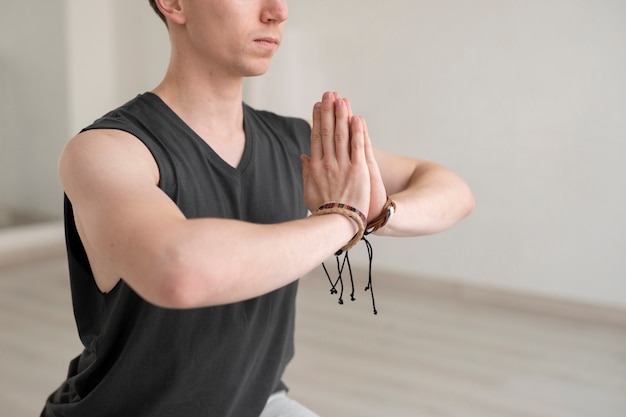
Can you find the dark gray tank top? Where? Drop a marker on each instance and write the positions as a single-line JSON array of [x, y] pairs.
[[144, 361]]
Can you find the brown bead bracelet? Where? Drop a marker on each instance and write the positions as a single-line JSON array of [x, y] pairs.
[[389, 209], [348, 211]]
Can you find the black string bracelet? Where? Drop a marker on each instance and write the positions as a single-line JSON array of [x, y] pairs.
[[341, 264], [386, 214]]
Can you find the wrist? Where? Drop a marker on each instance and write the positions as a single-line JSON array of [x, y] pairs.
[[350, 212], [353, 224], [385, 216]]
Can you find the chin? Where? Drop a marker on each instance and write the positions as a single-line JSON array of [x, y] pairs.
[[256, 67], [248, 74], [256, 74]]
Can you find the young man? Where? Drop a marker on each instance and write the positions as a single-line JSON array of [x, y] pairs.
[[187, 227]]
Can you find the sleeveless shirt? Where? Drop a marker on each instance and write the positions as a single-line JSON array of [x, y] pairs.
[[140, 360]]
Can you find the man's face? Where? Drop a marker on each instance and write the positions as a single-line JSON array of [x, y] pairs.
[[236, 36]]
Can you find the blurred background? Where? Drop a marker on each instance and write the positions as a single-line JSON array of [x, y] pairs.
[[525, 99]]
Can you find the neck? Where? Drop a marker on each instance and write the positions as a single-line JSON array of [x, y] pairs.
[[201, 101], [200, 94], [210, 105]]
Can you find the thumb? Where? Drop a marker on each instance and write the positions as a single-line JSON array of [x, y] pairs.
[[306, 161]]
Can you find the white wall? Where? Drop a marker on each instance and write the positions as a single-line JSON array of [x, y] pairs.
[[62, 65], [116, 50], [33, 108], [526, 99]]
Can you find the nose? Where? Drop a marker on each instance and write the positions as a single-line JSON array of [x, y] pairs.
[[275, 11]]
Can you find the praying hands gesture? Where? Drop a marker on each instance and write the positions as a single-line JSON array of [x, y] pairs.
[[342, 167], [345, 168]]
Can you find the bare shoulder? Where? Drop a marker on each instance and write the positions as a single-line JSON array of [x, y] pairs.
[[111, 179], [100, 154]]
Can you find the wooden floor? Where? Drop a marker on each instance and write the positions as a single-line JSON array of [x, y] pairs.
[[425, 353]]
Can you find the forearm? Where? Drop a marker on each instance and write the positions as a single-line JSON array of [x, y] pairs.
[[214, 261], [432, 200]]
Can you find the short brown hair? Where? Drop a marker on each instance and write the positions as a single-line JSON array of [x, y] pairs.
[[156, 9]]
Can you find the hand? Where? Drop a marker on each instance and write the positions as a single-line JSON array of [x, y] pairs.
[[378, 193], [337, 169]]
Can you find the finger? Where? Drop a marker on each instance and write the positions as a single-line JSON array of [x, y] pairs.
[[378, 193], [357, 140], [367, 142], [349, 106], [306, 163], [327, 125], [342, 131], [338, 97], [316, 136]]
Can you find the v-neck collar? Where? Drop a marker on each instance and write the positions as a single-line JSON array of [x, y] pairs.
[[209, 151]]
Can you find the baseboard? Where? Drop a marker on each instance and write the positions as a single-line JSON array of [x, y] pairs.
[[510, 299], [22, 244]]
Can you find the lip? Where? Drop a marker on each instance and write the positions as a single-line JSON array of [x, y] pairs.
[[268, 42]]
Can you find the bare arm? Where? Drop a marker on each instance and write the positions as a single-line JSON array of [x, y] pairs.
[[429, 197], [132, 231]]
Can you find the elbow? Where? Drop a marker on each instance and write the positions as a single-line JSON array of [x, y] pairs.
[[461, 196], [182, 274], [181, 285], [469, 202], [170, 291], [459, 205], [188, 287], [175, 293]]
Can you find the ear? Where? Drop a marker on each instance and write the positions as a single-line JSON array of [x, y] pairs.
[[172, 10]]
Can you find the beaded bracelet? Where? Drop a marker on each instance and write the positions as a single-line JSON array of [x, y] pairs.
[[348, 211]]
